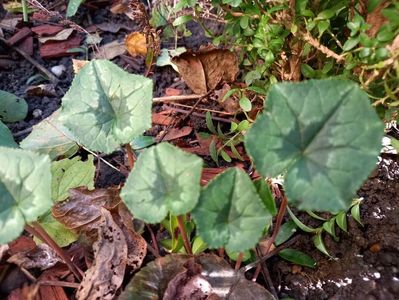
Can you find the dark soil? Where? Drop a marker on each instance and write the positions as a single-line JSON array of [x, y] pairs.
[[367, 264]]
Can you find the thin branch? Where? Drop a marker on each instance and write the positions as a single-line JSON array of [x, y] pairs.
[[177, 98], [40, 233]]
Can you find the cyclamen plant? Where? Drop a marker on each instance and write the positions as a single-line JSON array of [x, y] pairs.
[[322, 135]]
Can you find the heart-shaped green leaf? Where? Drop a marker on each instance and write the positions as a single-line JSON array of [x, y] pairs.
[[12, 108], [164, 179], [25, 190], [323, 134], [6, 138], [107, 107], [51, 137], [230, 212]]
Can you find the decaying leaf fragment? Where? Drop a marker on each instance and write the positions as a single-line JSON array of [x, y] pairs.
[[183, 277], [136, 44], [204, 70], [136, 244], [84, 207], [105, 276], [42, 256], [78, 64]]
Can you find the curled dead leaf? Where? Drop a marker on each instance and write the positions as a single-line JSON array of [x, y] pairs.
[[207, 276], [136, 44], [84, 207], [110, 50], [103, 279], [136, 244], [204, 70], [42, 257]]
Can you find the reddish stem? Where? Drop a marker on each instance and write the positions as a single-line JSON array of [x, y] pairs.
[[154, 240], [239, 261], [221, 252], [130, 156], [279, 220], [183, 234], [37, 230]]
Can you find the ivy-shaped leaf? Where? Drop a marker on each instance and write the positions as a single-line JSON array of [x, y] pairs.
[[230, 212], [51, 137], [12, 108], [71, 173], [323, 134], [6, 138], [107, 107], [25, 193], [164, 179]]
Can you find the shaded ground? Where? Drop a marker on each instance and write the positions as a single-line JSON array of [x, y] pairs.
[[368, 257], [367, 265]]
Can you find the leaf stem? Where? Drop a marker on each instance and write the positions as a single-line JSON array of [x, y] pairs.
[[130, 156], [239, 261], [183, 234], [279, 220], [25, 10], [37, 230]]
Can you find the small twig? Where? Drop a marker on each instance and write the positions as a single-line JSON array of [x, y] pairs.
[[102, 159], [130, 156], [73, 285], [266, 274], [204, 109], [29, 58], [279, 220], [154, 240], [307, 37], [270, 254], [177, 98], [199, 114], [183, 121], [28, 274], [183, 234], [22, 132], [40, 233]]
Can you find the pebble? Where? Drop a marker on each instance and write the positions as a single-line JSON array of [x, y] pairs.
[[58, 70], [37, 113]]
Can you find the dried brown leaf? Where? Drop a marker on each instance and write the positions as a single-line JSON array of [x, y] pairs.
[[84, 207], [192, 71], [219, 65], [167, 276], [42, 257], [136, 244], [188, 284], [60, 36], [105, 276], [111, 50], [41, 90], [136, 44], [176, 133], [204, 70]]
